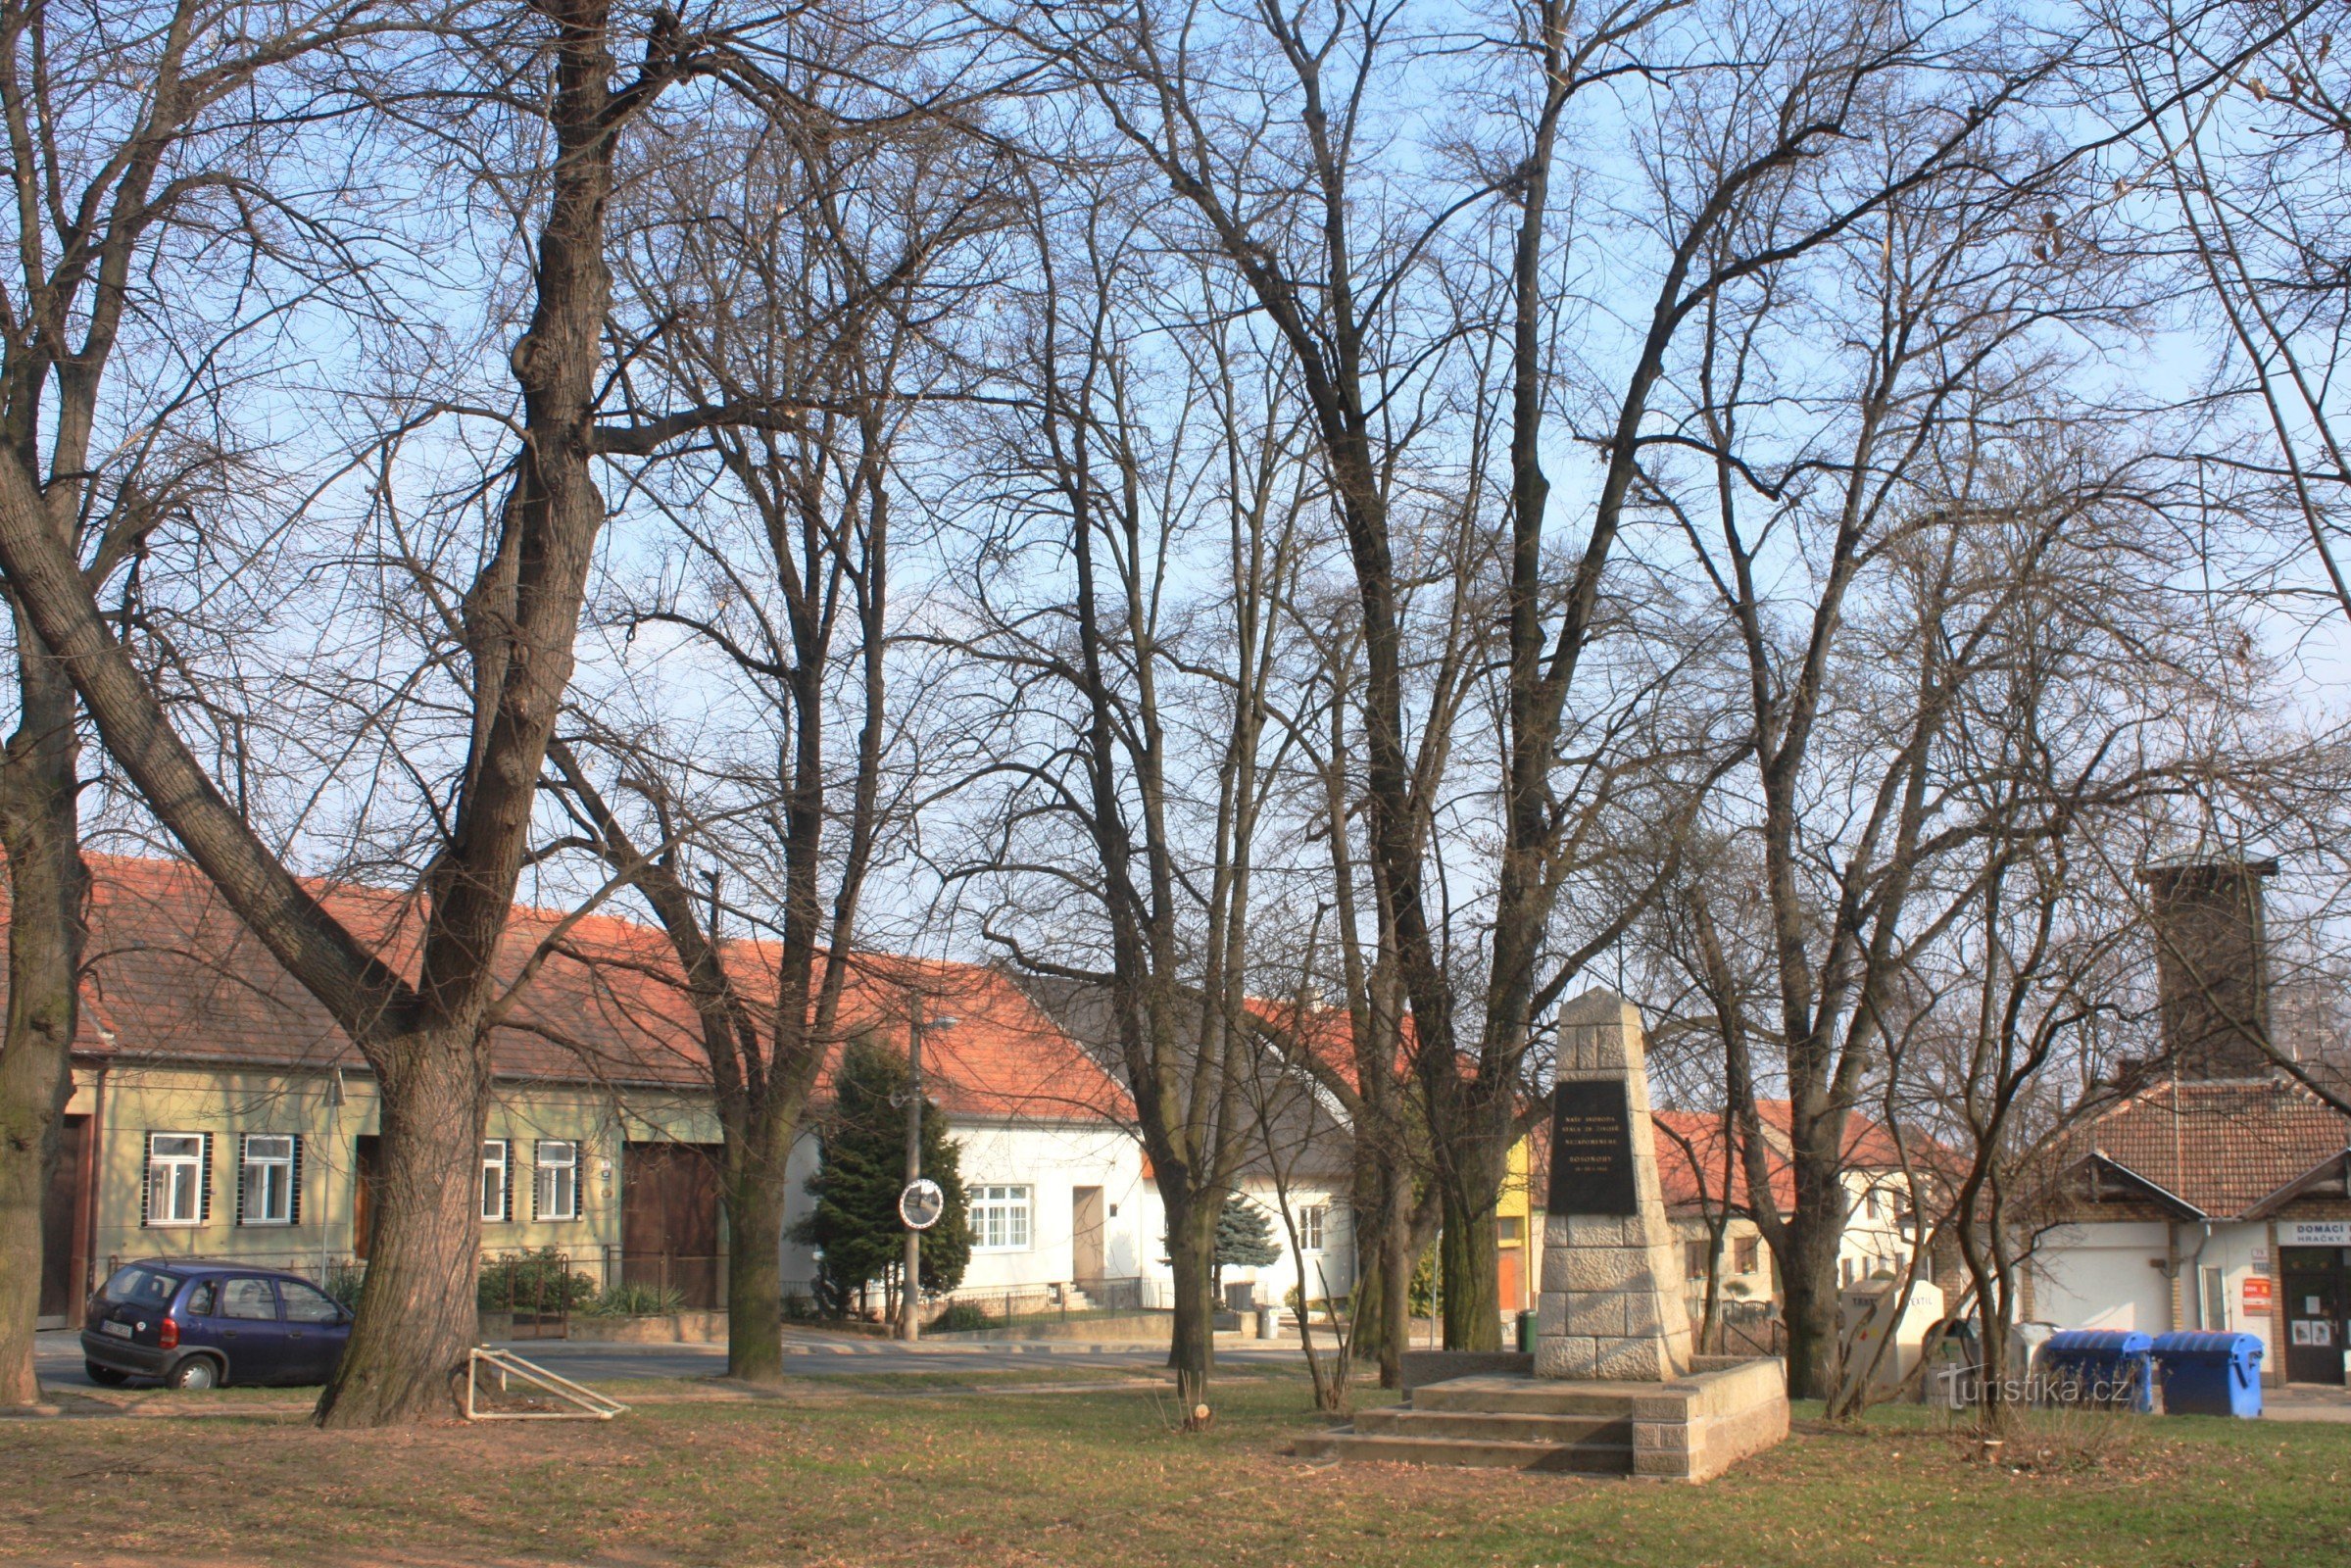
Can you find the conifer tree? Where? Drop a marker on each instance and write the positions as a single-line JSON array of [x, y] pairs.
[[861, 1168], [1244, 1238]]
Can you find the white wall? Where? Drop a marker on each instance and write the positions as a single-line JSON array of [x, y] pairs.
[[2102, 1277], [1874, 1241], [1329, 1271], [1052, 1160]]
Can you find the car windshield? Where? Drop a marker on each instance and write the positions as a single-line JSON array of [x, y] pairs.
[[141, 1285]]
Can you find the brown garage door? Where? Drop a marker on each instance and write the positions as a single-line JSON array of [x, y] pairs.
[[669, 1220]]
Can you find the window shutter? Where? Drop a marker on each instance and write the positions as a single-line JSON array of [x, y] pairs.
[[203, 1198], [506, 1176], [147, 1185], [244, 1175], [536, 1186], [294, 1191]]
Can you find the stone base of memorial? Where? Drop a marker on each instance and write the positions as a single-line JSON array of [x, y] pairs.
[[1612, 1388]]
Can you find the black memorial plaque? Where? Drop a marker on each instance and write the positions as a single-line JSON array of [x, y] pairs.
[[1591, 1150]]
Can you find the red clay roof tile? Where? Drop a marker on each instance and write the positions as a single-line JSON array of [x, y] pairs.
[[172, 974]]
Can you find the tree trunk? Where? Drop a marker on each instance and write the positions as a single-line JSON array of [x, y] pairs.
[[755, 1200], [1374, 1221], [1396, 1263], [1471, 1260], [1191, 1352], [40, 831], [1808, 1286], [417, 1313], [1710, 1321]]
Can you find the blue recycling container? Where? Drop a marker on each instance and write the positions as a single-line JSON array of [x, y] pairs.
[[2112, 1369], [2209, 1374]]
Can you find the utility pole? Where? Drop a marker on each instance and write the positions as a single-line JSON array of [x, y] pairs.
[[910, 1287]]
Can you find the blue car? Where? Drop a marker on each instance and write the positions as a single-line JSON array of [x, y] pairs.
[[195, 1324]]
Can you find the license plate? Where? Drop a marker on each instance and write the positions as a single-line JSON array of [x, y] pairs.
[[120, 1331]]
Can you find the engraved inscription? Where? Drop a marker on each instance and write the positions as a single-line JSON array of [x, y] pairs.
[[1591, 1150]]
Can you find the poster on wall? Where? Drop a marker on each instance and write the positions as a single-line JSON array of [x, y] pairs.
[[2257, 1293], [2302, 1329]]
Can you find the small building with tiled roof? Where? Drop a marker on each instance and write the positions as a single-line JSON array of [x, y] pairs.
[[2210, 1192], [218, 1109], [2201, 1203]]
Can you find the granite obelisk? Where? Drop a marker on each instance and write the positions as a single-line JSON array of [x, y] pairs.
[[1611, 1304]]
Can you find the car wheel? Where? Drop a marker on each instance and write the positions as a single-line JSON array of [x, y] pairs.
[[105, 1377], [196, 1372]]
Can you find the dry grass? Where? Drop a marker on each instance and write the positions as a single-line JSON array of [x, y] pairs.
[[829, 1476]]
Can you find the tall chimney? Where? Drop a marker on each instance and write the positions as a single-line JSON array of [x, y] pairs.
[[2212, 965]]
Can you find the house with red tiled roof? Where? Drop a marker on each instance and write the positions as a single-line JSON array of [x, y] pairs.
[[218, 1110], [2208, 1192], [1296, 1162]]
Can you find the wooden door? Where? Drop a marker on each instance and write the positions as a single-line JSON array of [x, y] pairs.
[[669, 1220], [1085, 1235], [1507, 1272], [61, 1217]]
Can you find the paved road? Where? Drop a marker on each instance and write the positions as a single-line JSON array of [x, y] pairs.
[[57, 1356]]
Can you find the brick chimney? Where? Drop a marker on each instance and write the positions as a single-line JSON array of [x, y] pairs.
[[2212, 965]]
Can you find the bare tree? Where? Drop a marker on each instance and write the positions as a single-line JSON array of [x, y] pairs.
[[2231, 119], [827, 268], [1142, 522], [427, 1037], [139, 163], [1280, 177]]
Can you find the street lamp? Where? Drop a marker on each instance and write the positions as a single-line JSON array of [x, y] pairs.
[[921, 1202]]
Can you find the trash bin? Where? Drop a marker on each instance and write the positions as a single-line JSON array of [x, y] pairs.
[[1526, 1334], [1269, 1323], [2209, 1374], [2111, 1369], [2024, 1342]]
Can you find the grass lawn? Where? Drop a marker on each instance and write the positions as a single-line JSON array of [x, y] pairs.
[[1037, 1470]]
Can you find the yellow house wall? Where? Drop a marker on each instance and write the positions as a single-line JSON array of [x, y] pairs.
[[130, 1101], [1515, 1202]]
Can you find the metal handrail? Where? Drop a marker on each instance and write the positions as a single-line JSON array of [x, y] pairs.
[[590, 1406]]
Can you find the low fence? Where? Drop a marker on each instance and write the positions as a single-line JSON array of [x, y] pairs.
[[687, 1282], [540, 1290], [1748, 1337], [991, 1305], [1018, 1303]]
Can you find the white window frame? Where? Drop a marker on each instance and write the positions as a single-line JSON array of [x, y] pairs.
[[497, 1203], [253, 1202], [192, 1162], [1312, 1218], [2212, 1299], [1003, 1217], [554, 1177]]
